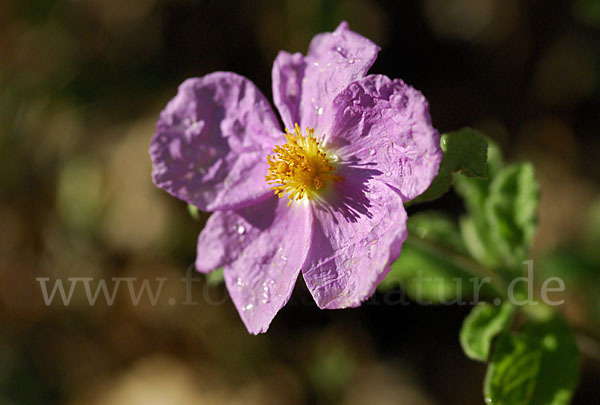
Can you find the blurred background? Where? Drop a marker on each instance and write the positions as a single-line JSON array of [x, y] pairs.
[[81, 85]]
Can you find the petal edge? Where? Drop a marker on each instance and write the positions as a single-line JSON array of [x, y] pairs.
[[211, 142]]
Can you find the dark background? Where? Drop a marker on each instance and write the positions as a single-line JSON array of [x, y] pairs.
[[81, 85]]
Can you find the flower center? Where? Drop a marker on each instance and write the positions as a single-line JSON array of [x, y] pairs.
[[301, 167]]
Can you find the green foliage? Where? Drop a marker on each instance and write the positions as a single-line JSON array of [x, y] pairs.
[[436, 227], [482, 325], [511, 211], [497, 232], [537, 365], [502, 212], [194, 211], [426, 277], [429, 268], [477, 240], [215, 277], [465, 152], [474, 226]]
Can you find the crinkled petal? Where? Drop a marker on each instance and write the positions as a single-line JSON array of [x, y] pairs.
[[262, 248], [357, 232], [334, 60], [385, 125], [287, 75], [223, 239], [303, 87], [211, 142]]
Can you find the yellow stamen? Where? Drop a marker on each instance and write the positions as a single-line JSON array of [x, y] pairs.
[[300, 167]]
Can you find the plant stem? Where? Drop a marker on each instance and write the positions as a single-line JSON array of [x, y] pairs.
[[588, 343], [461, 261]]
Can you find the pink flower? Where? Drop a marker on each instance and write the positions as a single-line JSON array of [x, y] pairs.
[[356, 148]]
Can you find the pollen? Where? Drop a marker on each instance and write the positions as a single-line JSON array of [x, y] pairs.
[[301, 167]]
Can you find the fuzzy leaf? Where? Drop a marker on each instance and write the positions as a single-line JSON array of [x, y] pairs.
[[511, 212], [474, 227], [465, 152], [537, 366], [481, 326]]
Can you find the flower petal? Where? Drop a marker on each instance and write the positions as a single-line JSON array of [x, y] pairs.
[[303, 87], [287, 75], [211, 142], [385, 125], [334, 60], [357, 233], [222, 240], [262, 248]]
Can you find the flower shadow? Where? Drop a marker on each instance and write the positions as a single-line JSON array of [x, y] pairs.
[[349, 198]]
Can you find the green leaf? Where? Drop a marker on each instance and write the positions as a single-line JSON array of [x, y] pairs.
[[480, 327], [539, 365], [511, 212], [502, 212], [475, 190], [476, 238], [474, 226], [432, 267], [215, 277], [194, 211], [436, 227], [431, 277], [495, 162], [465, 152]]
